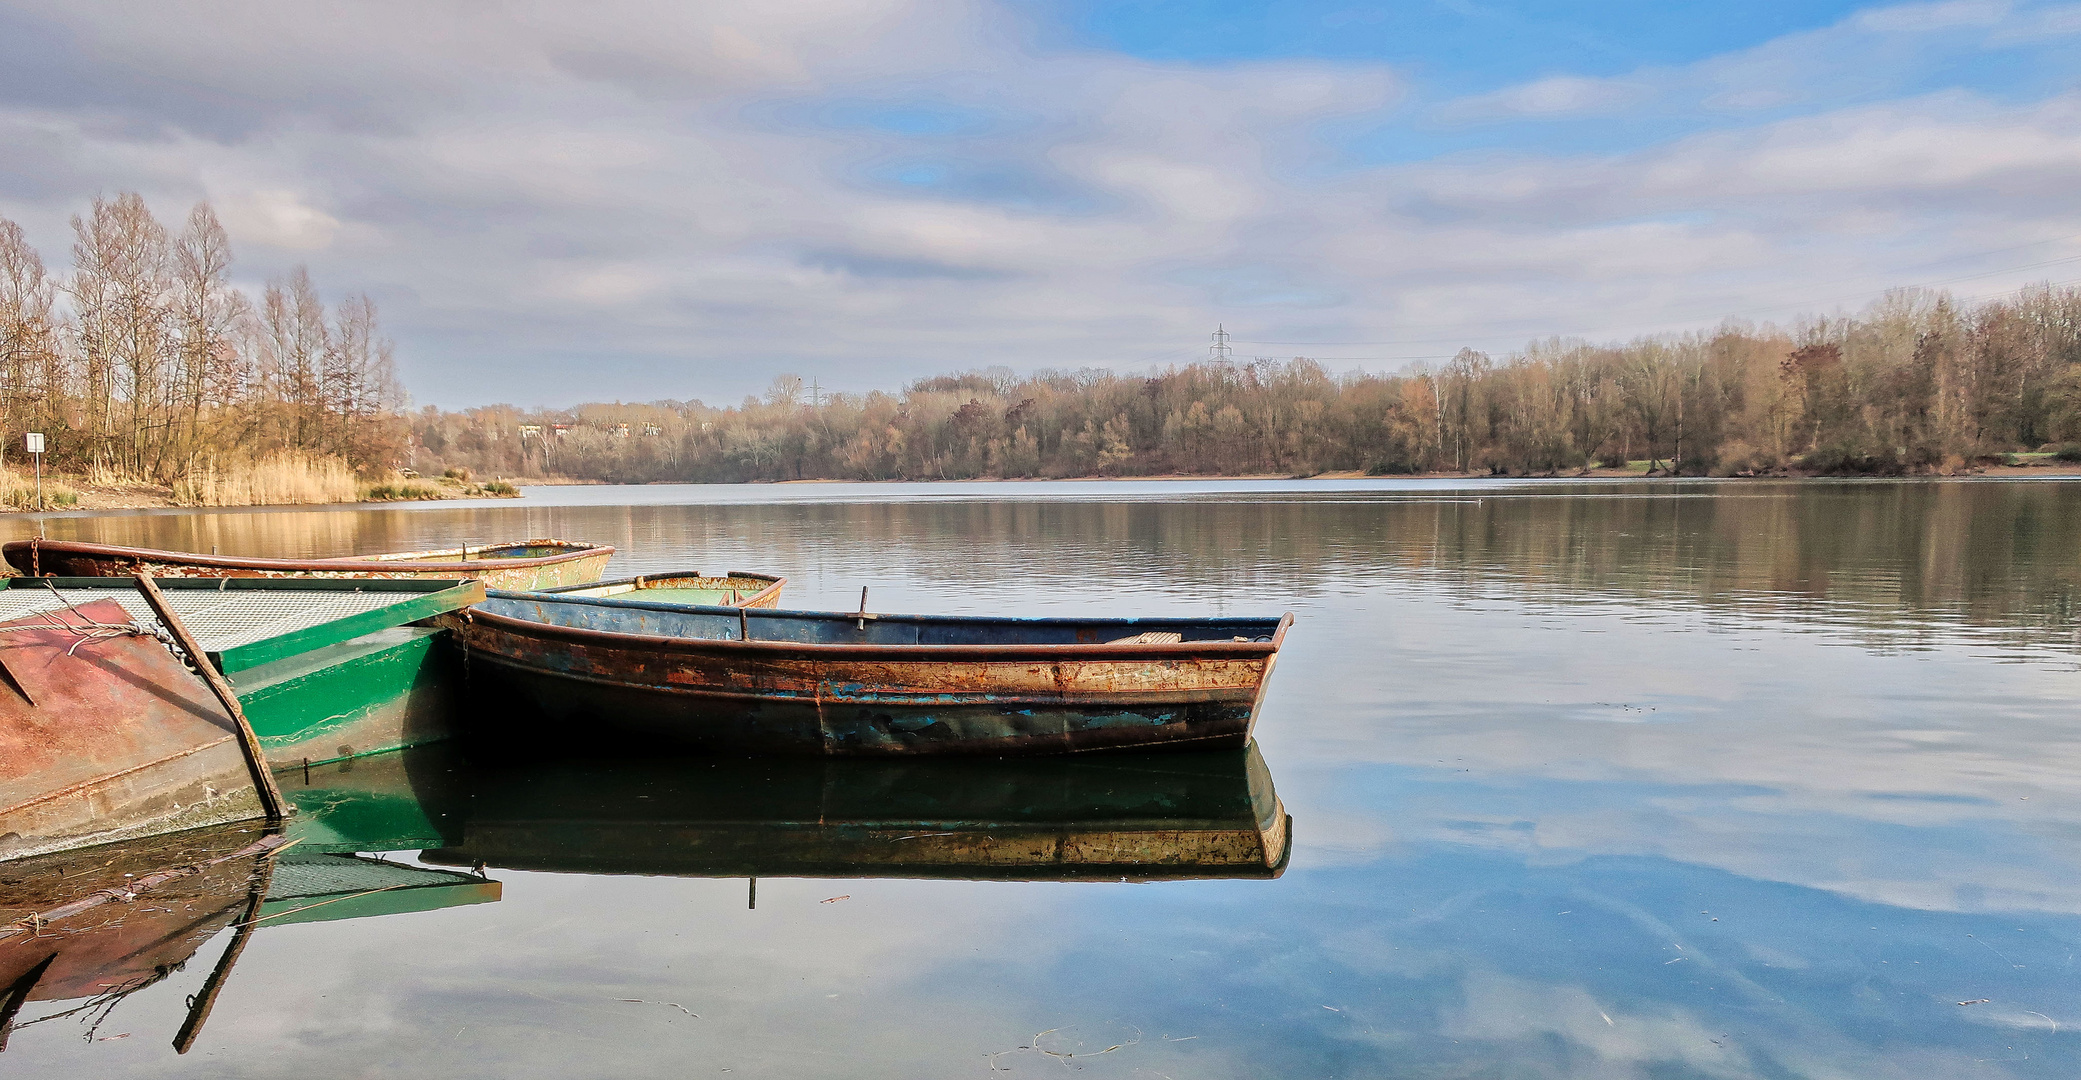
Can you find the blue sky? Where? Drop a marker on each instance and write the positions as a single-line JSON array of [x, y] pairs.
[[688, 200], [1461, 47]]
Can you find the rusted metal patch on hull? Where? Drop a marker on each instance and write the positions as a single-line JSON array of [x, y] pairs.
[[121, 740], [916, 682], [646, 716]]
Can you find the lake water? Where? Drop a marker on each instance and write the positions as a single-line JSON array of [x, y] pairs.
[[1628, 779]]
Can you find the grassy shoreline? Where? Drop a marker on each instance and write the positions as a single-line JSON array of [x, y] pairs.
[[83, 494]]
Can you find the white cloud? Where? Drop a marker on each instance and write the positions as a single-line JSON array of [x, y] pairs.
[[278, 219], [1924, 18], [1618, 1043], [1555, 96], [662, 191]]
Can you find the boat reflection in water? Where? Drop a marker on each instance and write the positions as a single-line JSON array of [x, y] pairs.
[[87, 929], [1207, 814], [84, 930]]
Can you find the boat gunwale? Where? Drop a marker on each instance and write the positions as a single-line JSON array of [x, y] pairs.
[[352, 563], [1046, 651]]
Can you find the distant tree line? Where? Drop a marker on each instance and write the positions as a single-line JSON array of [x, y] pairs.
[[145, 362], [1918, 383]]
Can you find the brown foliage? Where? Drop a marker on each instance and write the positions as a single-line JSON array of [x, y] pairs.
[[145, 361], [1915, 382]]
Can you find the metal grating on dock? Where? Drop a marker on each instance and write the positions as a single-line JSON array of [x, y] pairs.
[[219, 620]]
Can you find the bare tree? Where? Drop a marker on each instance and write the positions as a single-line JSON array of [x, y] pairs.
[[205, 310], [294, 340], [31, 363], [120, 292]]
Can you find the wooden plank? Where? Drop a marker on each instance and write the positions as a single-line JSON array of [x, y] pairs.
[[249, 743]]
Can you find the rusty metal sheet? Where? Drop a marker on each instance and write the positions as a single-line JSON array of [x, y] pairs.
[[105, 735]]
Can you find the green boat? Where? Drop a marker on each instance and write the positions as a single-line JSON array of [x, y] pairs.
[[324, 668]]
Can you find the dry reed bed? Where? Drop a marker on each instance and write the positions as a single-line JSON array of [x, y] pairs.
[[290, 478], [18, 492], [287, 478]]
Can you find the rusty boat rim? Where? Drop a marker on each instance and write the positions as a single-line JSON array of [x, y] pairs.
[[397, 562], [1066, 651]]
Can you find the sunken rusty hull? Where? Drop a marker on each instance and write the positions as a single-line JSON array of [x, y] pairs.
[[788, 697], [564, 564], [107, 738]]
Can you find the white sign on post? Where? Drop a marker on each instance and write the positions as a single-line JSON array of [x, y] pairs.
[[33, 441]]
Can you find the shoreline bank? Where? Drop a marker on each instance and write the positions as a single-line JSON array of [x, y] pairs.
[[132, 496]]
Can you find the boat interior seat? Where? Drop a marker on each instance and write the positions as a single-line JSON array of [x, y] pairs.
[[1152, 637]]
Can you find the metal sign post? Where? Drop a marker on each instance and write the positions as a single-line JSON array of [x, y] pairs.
[[33, 442]]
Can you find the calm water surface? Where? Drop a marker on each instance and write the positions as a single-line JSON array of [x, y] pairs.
[[1591, 780]]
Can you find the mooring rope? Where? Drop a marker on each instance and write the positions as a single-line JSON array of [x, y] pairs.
[[94, 630]]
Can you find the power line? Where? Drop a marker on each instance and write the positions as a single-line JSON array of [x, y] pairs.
[[1697, 317], [1221, 338], [1723, 314]]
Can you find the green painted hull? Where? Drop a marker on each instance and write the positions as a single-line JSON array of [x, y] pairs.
[[406, 801], [373, 694]]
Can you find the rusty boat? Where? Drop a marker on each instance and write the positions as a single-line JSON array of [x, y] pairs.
[[855, 683], [733, 589], [106, 735], [529, 564]]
